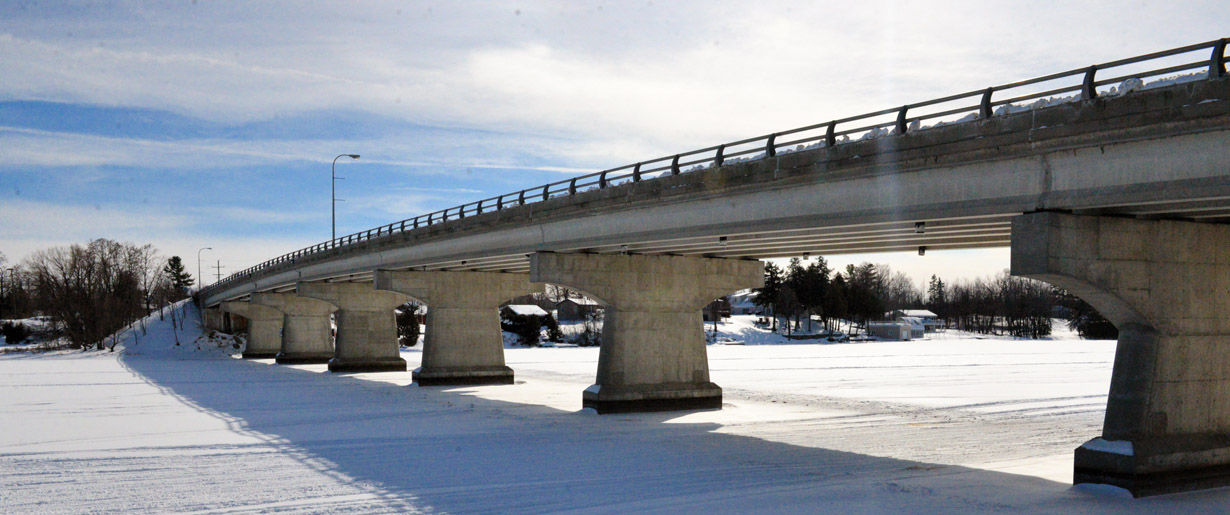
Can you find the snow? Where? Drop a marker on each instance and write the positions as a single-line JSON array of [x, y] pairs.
[[1122, 448], [526, 310], [935, 426]]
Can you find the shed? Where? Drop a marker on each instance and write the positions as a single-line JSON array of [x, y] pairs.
[[889, 330], [575, 309]]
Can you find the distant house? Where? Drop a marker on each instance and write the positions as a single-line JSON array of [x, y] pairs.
[[525, 310], [717, 310], [929, 320], [743, 304], [575, 309]]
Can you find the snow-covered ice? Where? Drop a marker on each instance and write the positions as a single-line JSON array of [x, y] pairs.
[[939, 426]]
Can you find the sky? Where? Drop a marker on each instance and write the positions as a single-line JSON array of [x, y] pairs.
[[197, 124]]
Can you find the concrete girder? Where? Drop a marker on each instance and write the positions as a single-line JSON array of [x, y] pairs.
[[306, 334], [653, 355], [463, 344], [264, 328], [366, 326], [1166, 286]]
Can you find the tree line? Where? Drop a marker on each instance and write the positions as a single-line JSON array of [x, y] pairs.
[[89, 292], [1001, 305]]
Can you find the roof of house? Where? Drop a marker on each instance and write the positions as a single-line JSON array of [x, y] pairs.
[[526, 310], [580, 302], [920, 313]]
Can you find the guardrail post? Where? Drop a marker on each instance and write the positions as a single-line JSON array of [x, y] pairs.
[[479, 209], [429, 217], [675, 165], [717, 159], [416, 222], [770, 149], [546, 192], [984, 107], [602, 180], [1087, 91], [1217, 63], [521, 198], [572, 186], [636, 173], [499, 203], [901, 127], [830, 136]]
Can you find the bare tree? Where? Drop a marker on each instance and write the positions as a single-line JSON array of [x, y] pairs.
[[91, 291]]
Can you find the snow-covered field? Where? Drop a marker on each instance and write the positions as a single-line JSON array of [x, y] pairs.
[[942, 426]]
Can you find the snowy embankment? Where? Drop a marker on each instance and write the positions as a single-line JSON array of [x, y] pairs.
[[928, 427]]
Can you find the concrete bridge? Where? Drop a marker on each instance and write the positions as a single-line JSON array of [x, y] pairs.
[[1123, 199]]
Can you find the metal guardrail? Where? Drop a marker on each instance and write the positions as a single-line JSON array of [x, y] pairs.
[[768, 146]]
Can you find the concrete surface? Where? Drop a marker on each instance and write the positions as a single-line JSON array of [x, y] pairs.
[[264, 328], [463, 343], [366, 326], [307, 337], [1166, 286], [653, 354]]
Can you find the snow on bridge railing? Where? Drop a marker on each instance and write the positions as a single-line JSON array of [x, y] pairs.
[[897, 120]]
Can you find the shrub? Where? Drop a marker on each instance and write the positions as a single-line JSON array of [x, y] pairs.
[[14, 333], [408, 324], [527, 328]]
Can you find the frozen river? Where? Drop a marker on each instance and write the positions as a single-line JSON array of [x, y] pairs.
[[948, 425]]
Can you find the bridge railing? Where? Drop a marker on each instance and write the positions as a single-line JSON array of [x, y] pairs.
[[987, 103]]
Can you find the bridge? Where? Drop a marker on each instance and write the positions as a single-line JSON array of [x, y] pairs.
[[1114, 188]]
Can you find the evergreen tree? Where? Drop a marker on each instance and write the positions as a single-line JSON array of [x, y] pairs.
[[767, 295], [937, 298], [175, 274]]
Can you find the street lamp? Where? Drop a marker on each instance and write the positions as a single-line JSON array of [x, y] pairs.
[[200, 278], [333, 191]]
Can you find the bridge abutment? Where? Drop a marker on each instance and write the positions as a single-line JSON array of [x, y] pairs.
[[653, 355], [464, 344], [264, 328], [1166, 286], [306, 333], [366, 326]]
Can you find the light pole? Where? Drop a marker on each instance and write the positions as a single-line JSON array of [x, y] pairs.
[[333, 192], [200, 278]]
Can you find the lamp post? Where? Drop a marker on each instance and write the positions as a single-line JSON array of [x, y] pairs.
[[200, 278], [333, 192]]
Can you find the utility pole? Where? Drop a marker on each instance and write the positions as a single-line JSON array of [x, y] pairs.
[[218, 270], [333, 192]]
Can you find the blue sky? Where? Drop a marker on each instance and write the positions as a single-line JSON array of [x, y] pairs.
[[194, 124]]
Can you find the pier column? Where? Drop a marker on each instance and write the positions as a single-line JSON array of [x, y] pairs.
[[213, 318], [463, 344], [366, 326], [653, 355], [264, 328], [306, 334], [1166, 286]]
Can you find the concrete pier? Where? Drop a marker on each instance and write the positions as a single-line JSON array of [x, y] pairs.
[[1166, 286], [213, 318], [366, 326], [463, 344], [264, 328], [306, 333], [653, 355]]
